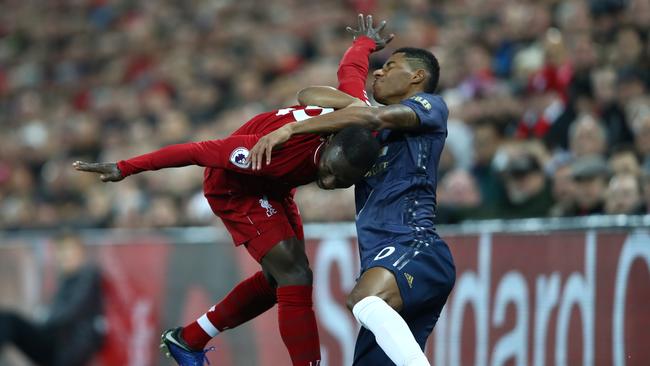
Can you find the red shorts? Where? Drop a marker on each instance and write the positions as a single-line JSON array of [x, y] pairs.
[[258, 222]]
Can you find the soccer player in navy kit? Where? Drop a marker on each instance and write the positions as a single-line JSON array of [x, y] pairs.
[[407, 270]]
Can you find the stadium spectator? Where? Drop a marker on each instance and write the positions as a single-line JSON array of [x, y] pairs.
[[623, 195], [488, 136], [641, 130], [587, 137], [100, 77], [564, 191], [527, 191], [624, 160], [645, 188], [591, 175], [73, 331], [459, 198]]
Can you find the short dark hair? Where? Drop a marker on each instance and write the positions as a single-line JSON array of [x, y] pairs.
[[360, 147], [423, 59]]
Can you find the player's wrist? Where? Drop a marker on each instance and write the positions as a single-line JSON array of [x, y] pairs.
[[365, 41]]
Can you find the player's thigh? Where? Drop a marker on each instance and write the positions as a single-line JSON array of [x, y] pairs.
[[423, 272], [293, 215]]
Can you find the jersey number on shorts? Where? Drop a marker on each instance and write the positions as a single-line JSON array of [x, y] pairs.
[[300, 114]]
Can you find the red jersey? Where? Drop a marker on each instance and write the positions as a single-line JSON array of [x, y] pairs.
[[294, 164]]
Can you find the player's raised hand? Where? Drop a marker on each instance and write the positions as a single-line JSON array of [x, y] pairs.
[[265, 146], [108, 172], [366, 29]]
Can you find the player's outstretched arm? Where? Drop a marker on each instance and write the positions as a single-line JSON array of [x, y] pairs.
[[108, 172], [353, 69], [328, 97]]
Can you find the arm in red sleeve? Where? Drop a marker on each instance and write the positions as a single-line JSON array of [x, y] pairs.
[[353, 69], [223, 154]]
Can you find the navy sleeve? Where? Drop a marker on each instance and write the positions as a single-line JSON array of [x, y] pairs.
[[431, 110]]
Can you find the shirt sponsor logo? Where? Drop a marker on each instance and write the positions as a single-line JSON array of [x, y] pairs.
[[270, 211], [239, 157], [425, 103]]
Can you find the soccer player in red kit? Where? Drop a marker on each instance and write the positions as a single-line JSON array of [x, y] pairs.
[[258, 210]]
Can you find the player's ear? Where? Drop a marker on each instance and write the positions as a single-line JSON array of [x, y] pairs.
[[418, 76]]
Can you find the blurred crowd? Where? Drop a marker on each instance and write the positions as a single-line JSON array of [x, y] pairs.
[[549, 102]]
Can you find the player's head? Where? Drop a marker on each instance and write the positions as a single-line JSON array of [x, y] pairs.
[[407, 71], [346, 158]]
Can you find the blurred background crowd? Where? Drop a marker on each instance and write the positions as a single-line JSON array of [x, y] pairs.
[[549, 102]]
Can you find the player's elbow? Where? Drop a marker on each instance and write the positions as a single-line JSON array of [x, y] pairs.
[[311, 95], [303, 96]]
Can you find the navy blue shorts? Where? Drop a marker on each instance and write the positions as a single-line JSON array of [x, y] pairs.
[[425, 275]]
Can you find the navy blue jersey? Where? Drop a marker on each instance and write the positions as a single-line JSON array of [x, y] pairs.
[[397, 198]]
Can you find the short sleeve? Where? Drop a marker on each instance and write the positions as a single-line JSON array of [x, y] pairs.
[[431, 110]]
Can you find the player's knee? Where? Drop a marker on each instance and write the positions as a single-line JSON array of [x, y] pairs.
[[358, 294], [287, 264], [269, 277], [296, 274]]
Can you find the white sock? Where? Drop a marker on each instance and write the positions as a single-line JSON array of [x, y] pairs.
[[391, 331]]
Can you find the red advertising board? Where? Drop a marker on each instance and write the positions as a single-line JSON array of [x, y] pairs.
[[556, 298]]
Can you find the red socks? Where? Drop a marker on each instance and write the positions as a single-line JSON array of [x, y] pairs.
[[253, 297], [298, 325], [250, 298]]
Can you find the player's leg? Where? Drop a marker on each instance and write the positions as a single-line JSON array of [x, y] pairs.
[[30, 339], [375, 302], [414, 277], [250, 298], [265, 225], [288, 264]]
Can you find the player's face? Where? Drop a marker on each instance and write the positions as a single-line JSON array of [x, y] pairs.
[[393, 80], [334, 171]]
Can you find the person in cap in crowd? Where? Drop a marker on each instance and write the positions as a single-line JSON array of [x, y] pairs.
[[528, 192], [591, 175]]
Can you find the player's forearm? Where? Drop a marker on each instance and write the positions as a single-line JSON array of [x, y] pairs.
[[338, 120], [353, 69], [172, 156]]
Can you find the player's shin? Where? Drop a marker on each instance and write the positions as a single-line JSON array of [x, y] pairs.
[[391, 331], [247, 300], [298, 324]]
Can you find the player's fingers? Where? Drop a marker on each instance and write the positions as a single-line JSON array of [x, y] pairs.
[[369, 21], [381, 26], [269, 150], [253, 156], [259, 155], [87, 167], [349, 29], [390, 38], [362, 26]]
